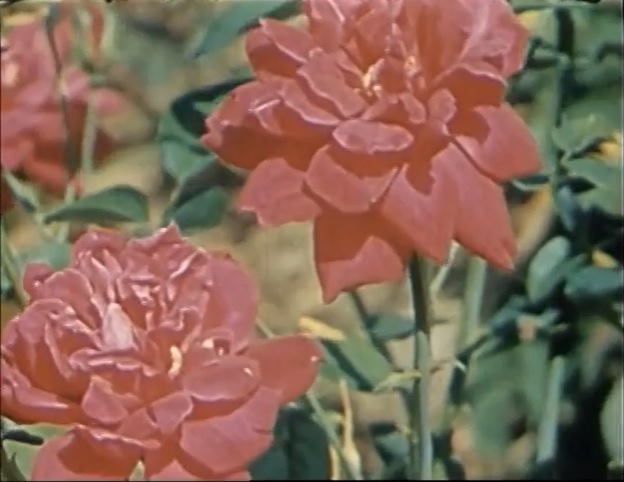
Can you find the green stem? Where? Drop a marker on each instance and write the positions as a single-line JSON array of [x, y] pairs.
[[472, 300], [547, 430], [421, 442], [323, 419]]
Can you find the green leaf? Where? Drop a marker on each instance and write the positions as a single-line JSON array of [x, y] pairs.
[[116, 204], [541, 281], [607, 180], [390, 327], [360, 361], [300, 450], [232, 20], [591, 282], [55, 254], [597, 172], [203, 211], [607, 198], [577, 134], [182, 125]]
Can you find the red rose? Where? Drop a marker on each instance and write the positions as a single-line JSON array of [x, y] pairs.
[[33, 133], [384, 123], [145, 347]]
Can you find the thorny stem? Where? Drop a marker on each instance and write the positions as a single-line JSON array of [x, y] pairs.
[[324, 420], [421, 442]]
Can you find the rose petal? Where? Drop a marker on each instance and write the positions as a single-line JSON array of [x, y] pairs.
[[274, 192], [26, 404], [229, 133], [287, 364], [74, 289], [327, 19], [235, 439], [86, 454], [373, 139], [34, 275], [341, 188], [354, 250], [305, 120], [422, 204], [170, 411], [276, 48], [233, 301], [474, 84], [163, 464], [507, 150], [101, 405], [326, 82], [226, 379], [483, 224]]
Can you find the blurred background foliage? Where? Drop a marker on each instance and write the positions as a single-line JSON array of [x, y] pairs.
[[528, 386]]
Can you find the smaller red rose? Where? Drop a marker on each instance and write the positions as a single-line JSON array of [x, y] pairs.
[[144, 347]]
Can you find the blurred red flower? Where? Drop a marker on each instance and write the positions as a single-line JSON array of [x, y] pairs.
[[145, 346], [32, 138], [384, 123]]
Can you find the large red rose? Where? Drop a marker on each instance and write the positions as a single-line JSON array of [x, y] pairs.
[[145, 348], [32, 137], [385, 123]]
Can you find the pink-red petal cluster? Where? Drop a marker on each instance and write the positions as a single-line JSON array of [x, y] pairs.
[[145, 348], [384, 122], [33, 132]]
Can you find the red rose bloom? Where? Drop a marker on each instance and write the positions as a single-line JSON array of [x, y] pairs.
[[384, 123], [145, 347], [32, 137]]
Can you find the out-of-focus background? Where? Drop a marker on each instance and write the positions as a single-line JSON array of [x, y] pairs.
[[559, 313]]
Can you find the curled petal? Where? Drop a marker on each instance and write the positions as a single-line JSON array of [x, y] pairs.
[[276, 48], [274, 192], [86, 454], [422, 204], [233, 301], [505, 149], [72, 287], [34, 275], [226, 379], [101, 404], [374, 139], [327, 20], [483, 224], [287, 364], [326, 82], [305, 119], [235, 439], [231, 139], [341, 188], [169, 412], [164, 464], [354, 250], [26, 404], [476, 83], [96, 242]]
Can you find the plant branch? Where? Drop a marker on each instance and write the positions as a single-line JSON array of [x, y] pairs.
[[421, 442]]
